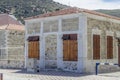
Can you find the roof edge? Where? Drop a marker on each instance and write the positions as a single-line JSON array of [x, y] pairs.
[[71, 10]]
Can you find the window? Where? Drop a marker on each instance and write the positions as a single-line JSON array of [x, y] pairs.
[[33, 47], [70, 47], [109, 47], [96, 47]]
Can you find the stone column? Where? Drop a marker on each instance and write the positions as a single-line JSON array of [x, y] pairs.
[[59, 46], [42, 48], [82, 43], [26, 46]]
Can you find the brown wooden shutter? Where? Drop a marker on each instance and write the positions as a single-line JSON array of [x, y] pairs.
[[66, 50], [109, 47], [33, 49], [73, 50], [96, 46], [70, 46]]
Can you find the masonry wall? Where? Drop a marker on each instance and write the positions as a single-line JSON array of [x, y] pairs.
[[3, 53], [15, 45], [33, 28], [51, 51], [103, 28], [2, 38]]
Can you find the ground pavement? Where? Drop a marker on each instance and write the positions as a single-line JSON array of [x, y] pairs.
[[11, 74]]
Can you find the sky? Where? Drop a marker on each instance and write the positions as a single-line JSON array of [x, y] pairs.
[[92, 4]]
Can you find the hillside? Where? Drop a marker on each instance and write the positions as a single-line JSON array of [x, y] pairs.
[[26, 8], [115, 12]]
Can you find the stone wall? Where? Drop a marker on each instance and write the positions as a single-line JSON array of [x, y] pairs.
[[70, 24], [3, 54], [2, 38], [15, 48], [15, 38], [50, 26], [33, 65], [103, 27], [33, 28], [51, 51], [70, 66]]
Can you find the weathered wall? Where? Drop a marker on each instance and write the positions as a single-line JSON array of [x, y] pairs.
[[70, 24], [103, 26], [2, 38], [33, 65], [3, 44], [33, 28], [50, 26], [3, 54], [70, 65], [15, 45], [51, 51], [15, 38]]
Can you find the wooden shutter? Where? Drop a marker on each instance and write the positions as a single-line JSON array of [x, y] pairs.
[[96, 46], [70, 47], [33, 49], [109, 47], [66, 50], [73, 50]]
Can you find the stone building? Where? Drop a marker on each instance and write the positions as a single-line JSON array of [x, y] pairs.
[[72, 39], [11, 42]]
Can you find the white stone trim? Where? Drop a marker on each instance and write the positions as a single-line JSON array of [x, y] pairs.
[[50, 33], [67, 16], [26, 46], [36, 34], [70, 32], [74, 15], [59, 46], [42, 49], [82, 43]]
